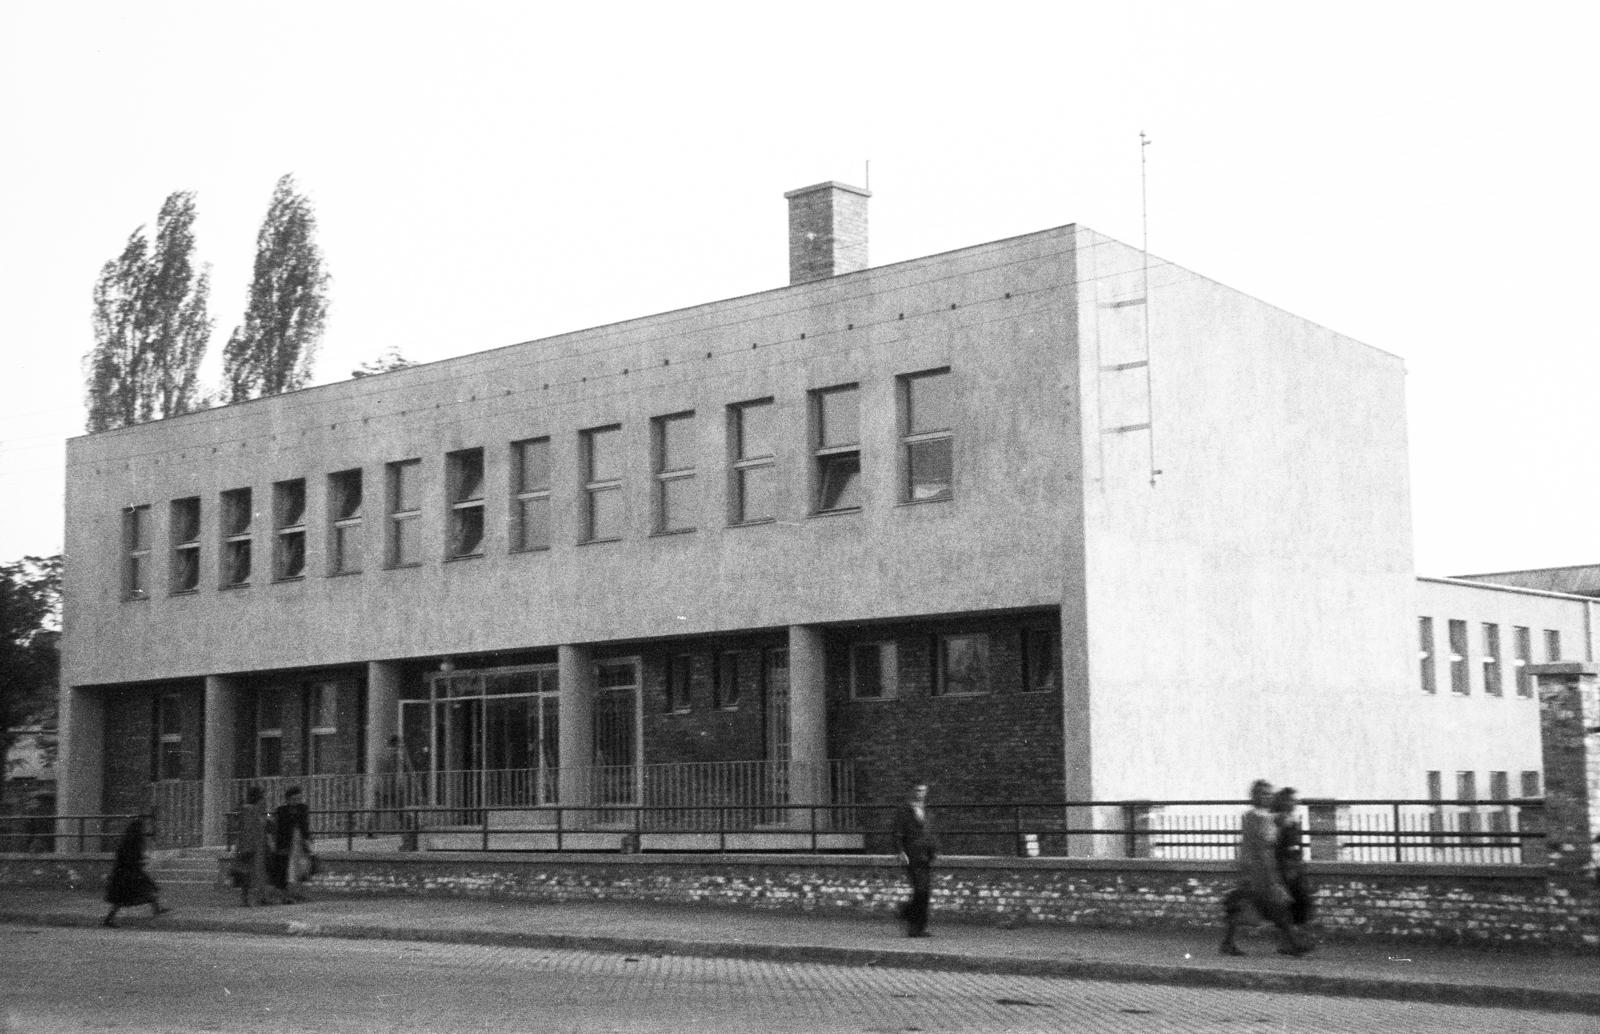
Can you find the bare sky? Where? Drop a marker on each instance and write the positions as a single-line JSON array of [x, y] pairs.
[[1420, 176]]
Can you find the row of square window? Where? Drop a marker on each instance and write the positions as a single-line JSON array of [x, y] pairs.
[[962, 667], [1490, 657], [926, 466]]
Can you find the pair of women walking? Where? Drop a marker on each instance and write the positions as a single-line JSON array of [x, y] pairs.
[[1272, 872], [273, 857]]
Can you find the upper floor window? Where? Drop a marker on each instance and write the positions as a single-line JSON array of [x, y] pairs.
[[730, 674], [465, 472], [136, 552], [1425, 655], [837, 448], [874, 671], [679, 681], [186, 544], [755, 480], [289, 529], [322, 725], [1491, 659], [674, 472], [926, 417], [1552, 645], [1460, 682], [344, 509], [530, 489], [405, 513], [1522, 645], [168, 726], [1041, 660], [269, 732], [963, 665], [237, 516], [602, 483]]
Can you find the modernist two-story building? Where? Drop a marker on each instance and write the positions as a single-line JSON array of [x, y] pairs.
[[1038, 519]]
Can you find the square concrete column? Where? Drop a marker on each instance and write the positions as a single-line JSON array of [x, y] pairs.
[[808, 719], [221, 711], [80, 773], [575, 717], [1569, 733], [383, 720]]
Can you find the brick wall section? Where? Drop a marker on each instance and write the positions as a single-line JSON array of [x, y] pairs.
[[704, 732], [130, 742]]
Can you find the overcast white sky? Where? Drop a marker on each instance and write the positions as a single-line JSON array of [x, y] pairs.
[[1420, 176]]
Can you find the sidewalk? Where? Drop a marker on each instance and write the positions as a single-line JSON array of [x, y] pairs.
[[1457, 976]]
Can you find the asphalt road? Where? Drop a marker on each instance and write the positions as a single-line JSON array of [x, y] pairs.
[[61, 980]]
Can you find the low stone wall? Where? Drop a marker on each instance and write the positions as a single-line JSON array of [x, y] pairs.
[[1480, 905], [59, 871]]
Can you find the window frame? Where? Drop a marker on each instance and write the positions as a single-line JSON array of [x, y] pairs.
[[396, 519], [1521, 658], [1460, 676], [911, 437], [237, 511], [1426, 661], [886, 660], [266, 733], [826, 456], [1493, 669], [322, 739], [287, 530], [725, 689], [185, 551], [680, 683], [1030, 638], [345, 521], [464, 507], [744, 465], [136, 532], [596, 488], [941, 681], [526, 494], [1552, 645], [666, 479]]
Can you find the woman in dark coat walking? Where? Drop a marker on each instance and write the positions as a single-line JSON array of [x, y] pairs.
[[129, 885]]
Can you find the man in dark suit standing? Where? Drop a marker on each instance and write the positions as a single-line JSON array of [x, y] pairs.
[[913, 836]]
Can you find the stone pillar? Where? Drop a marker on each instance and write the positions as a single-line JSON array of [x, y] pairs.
[[575, 717], [383, 721], [1569, 732], [1324, 821], [808, 721], [80, 768], [221, 708]]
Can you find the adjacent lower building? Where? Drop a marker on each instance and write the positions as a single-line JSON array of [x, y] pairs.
[[1039, 519]]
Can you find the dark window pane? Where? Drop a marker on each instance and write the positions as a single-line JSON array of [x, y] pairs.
[[838, 481], [758, 488], [467, 475], [185, 570], [406, 487], [467, 533], [928, 469], [677, 504], [347, 495], [605, 514], [138, 527], [677, 442], [837, 418], [407, 541], [928, 403], [291, 503], [604, 454], [292, 554], [236, 563], [964, 664], [347, 549], [533, 523], [269, 756], [186, 520], [755, 430], [867, 661], [236, 512], [533, 465]]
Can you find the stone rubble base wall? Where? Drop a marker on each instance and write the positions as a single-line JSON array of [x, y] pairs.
[[1489, 906]]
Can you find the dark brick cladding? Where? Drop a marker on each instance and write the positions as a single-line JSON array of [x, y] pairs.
[[1003, 745], [129, 755], [705, 732], [349, 743]]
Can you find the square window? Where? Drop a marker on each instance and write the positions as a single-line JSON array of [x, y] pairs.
[[1041, 660], [874, 671], [963, 665], [839, 482]]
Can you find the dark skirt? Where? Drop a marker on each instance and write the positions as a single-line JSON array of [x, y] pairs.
[[128, 886]]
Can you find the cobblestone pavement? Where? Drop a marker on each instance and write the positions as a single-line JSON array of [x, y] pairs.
[[60, 980]]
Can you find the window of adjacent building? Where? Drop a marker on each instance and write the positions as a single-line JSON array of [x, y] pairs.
[[1552, 645], [269, 733], [237, 515], [1522, 647], [1041, 660], [322, 724], [186, 544], [679, 670], [963, 665], [837, 449], [674, 472], [1459, 680], [602, 484], [344, 508], [926, 446], [755, 477], [136, 552], [405, 513], [1491, 659], [289, 531], [464, 471], [530, 491], [1530, 783], [730, 669], [169, 736], [874, 671], [1425, 654]]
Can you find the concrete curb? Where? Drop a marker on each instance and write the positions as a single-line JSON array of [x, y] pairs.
[[1325, 984]]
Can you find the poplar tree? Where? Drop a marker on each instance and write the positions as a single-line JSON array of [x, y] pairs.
[[30, 626], [272, 351], [150, 324]]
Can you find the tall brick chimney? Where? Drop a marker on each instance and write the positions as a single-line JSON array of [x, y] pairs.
[[827, 231]]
